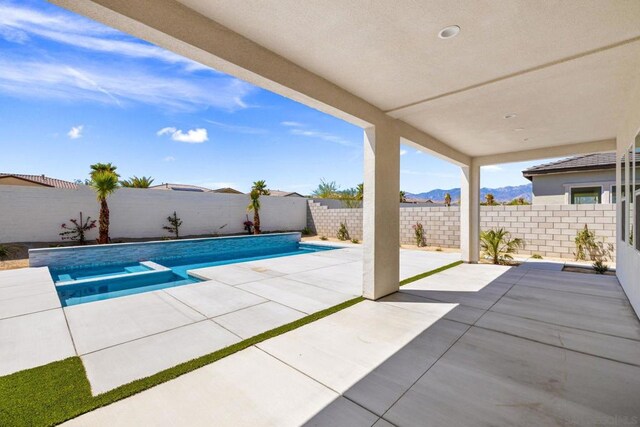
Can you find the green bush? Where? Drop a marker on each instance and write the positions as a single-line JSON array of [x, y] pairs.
[[343, 232], [498, 245]]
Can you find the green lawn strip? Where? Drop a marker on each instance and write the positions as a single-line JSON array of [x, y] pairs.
[[429, 273], [53, 393]]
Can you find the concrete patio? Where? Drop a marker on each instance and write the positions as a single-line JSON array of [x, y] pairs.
[[500, 346], [123, 339]]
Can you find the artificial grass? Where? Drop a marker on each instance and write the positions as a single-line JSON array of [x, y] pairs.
[[56, 392], [429, 273]]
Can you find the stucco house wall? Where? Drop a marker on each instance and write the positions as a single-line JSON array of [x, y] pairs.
[[555, 189]]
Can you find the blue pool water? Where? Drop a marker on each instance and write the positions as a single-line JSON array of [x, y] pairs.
[[87, 284]]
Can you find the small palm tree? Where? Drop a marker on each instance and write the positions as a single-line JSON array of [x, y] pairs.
[[259, 189], [498, 245], [326, 190], [490, 199], [403, 197], [105, 183], [135, 182], [447, 199]]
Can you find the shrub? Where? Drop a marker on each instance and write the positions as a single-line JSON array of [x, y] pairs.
[[5, 252], [324, 238], [354, 240], [536, 256], [418, 231], [174, 225], [306, 231], [498, 245], [343, 232], [438, 249], [600, 267], [76, 231], [585, 242]]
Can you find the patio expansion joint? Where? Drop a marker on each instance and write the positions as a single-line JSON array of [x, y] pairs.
[[143, 337], [577, 293], [317, 381], [31, 312], [558, 346]]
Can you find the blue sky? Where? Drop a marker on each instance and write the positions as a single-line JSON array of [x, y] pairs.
[[74, 92]]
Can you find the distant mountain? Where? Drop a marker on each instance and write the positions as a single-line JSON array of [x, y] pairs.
[[502, 194]]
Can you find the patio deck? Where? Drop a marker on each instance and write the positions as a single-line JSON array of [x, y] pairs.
[[475, 345], [123, 339]]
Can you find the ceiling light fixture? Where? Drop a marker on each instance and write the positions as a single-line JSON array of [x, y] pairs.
[[526, 139], [510, 115], [449, 32]]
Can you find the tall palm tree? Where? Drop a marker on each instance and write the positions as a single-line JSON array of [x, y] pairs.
[[498, 245], [135, 182], [103, 167], [490, 199], [403, 197], [259, 189], [447, 199], [360, 191], [105, 183]]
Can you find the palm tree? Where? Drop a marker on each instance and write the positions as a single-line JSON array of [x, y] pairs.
[[259, 189], [490, 199], [105, 183], [403, 197], [135, 182], [360, 192], [498, 245], [447, 199], [103, 167], [326, 190]]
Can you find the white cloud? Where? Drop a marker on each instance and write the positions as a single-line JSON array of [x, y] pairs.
[[492, 168], [403, 152], [325, 136], [169, 159], [116, 83], [291, 124], [19, 24], [192, 136], [75, 132], [239, 129]]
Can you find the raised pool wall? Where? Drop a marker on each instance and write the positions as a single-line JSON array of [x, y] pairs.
[[122, 253]]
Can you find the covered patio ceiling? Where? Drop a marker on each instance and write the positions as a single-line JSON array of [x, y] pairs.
[[564, 74], [564, 70]]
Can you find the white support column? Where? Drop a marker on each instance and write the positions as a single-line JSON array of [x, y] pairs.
[[381, 216], [470, 213]]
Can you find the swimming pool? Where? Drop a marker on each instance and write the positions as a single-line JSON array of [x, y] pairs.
[[79, 285]]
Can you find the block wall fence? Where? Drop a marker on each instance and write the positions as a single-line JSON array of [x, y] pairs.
[[549, 230], [34, 214]]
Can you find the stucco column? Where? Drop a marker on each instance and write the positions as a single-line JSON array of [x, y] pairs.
[[470, 213], [381, 211]]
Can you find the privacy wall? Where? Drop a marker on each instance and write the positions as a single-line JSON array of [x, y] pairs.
[[549, 230], [30, 214]]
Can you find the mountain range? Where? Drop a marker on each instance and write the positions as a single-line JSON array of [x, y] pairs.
[[501, 194]]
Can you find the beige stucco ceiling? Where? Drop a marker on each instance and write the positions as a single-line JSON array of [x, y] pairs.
[[562, 65]]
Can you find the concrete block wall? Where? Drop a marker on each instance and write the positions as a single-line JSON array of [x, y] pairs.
[[548, 230], [34, 214]]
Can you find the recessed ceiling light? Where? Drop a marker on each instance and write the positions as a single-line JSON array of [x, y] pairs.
[[518, 129], [510, 115], [526, 139], [449, 32]]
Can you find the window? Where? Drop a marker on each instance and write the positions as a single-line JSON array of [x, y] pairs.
[[613, 192], [586, 195]]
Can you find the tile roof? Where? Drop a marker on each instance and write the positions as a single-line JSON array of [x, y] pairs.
[[280, 193], [43, 180], [585, 162], [180, 187]]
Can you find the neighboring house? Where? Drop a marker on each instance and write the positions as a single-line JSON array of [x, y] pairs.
[[587, 179], [227, 190], [35, 181], [279, 193], [180, 187]]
